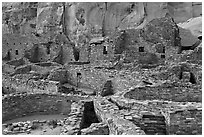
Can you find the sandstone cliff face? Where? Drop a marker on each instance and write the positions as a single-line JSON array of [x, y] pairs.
[[70, 24], [48, 18], [111, 16]]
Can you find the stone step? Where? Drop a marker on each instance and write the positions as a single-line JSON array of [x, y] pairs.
[[155, 133], [156, 126], [154, 122], [155, 129]]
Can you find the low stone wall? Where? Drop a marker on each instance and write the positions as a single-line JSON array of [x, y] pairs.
[[96, 129], [109, 114], [186, 122], [90, 77], [19, 105], [72, 124], [189, 93], [26, 83], [6, 68], [180, 117]]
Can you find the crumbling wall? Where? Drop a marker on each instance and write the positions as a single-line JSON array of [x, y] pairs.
[[173, 93], [101, 53], [6, 68], [84, 54], [59, 75], [109, 114], [72, 124], [19, 105], [96, 129], [194, 56], [68, 55], [27, 83], [14, 45], [152, 44], [175, 117], [43, 54], [90, 77], [186, 122]]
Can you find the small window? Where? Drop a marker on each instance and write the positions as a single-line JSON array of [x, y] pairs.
[[141, 49], [105, 50], [162, 56], [78, 74], [163, 50], [16, 52], [14, 43]]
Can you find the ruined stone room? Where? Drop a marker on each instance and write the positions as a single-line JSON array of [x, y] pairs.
[[101, 68]]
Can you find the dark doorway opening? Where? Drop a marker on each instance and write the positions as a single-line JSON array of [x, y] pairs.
[[76, 54], [163, 49], [78, 79], [105, 50], [162, 56], [89, 115], [192, 78]]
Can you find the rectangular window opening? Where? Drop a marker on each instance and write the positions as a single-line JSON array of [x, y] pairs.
[[16, 52], [163, 50], [141, 49], [105, 50], [162, 56]]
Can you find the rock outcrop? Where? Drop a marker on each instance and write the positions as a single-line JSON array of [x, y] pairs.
[[46, 20]]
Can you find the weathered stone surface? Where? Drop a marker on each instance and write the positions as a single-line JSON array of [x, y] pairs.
[[96, 129], [48, 20], [58, 74], [182, 11], [163, 30], [36, 103], [194, 56], [194, 25], [187, 39], [186, 122], [109, 114], [107, 89]]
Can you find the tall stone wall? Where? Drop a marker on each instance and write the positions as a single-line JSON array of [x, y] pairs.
[[90, 77]]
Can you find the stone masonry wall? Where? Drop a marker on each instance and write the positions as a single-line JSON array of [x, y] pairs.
[[180, 117], [96, 129], [109, 113], [187, 93], [72, 123], [186, 122], [19, 105], [90, 77], [12, 85]]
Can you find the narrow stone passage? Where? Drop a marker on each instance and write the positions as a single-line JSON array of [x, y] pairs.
[[89, 115]]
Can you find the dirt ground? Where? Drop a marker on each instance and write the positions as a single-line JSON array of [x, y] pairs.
[[43, 129]]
